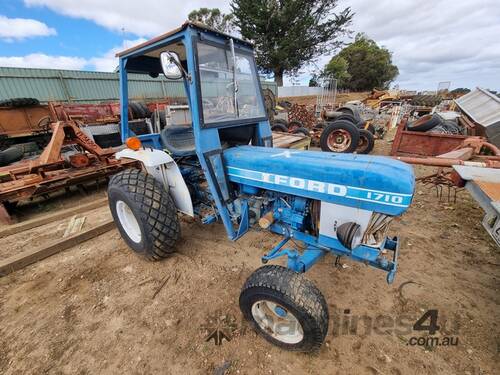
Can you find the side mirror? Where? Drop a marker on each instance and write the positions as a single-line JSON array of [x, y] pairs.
[[171, 65]]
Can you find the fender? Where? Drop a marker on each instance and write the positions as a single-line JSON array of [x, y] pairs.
[[164, 169]]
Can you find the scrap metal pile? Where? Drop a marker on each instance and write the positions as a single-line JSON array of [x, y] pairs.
[[463, 145], [341, 129], [45, 148]]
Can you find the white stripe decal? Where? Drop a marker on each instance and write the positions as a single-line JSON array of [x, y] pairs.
[[319, 187]]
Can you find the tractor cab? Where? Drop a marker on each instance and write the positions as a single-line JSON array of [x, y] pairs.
[[223, 92]]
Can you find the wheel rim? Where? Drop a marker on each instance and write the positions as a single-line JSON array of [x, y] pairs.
[[128, 221], [363, 143], [339, 140], [277, 321]]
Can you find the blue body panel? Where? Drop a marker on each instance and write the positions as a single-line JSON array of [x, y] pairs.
[[373, 183]]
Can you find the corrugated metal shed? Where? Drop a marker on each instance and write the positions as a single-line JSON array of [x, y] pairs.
[[481, 106], [84, 86], [484, 108]]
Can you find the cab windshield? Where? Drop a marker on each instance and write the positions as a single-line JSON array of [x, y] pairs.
[[220, 74]]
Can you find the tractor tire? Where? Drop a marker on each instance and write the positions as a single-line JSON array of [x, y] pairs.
[[425, 123], [279, 121], [279, 128], [350, 110], [285, 308], [346, 116], [369, 127], [19, 102], [339, 136], [304, 131], [137, 112], [145, 110], [144, 213], [366, 142], [10, 155], [295, 124]]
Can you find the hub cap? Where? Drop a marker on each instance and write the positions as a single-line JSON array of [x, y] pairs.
[[277, 321], [128, 221], [339, 140]]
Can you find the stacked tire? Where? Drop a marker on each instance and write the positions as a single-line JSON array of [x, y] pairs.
[[434, 123], [138, 110], [19, 102], [294, 127], [348, 133]]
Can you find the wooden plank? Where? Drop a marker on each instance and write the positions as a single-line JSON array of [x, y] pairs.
[[36, 222], [287, 140], [26, 258]]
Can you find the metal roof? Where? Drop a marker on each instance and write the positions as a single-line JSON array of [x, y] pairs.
[[86, 87], [481, 106]]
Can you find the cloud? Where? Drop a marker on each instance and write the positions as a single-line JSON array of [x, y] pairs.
[[12, 29], [142, 18], [104, 63], [41, 60], [431, 41], [108, 62], [438, 41]]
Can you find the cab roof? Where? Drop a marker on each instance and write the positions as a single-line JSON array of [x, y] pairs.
[[196, 25]]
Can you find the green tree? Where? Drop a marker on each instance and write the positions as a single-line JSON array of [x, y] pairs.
[[290, 33], [363, 65], [213, 18], [338, 68], [313, 82]]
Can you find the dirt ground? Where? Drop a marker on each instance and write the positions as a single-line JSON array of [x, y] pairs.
[[98, 308]]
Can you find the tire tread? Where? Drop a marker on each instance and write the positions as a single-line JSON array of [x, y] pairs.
[[300, 291], [156, 206]]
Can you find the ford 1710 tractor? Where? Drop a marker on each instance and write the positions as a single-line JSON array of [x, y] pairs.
[[222, 168]]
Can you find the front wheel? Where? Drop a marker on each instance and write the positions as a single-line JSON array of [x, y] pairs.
[[285, 308], [144, 213]]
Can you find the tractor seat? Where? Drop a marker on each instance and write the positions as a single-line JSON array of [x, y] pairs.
[[178, 140]]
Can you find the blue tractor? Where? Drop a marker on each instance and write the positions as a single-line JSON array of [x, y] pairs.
[[222, 167]]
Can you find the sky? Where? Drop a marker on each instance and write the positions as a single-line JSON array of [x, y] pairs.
[[432, 41]]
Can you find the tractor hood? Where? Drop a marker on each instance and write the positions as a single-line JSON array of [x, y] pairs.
[[374, 183]]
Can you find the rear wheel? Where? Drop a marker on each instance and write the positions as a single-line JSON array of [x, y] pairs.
[[366, 142], [144, 213], [339, 136], [285, 308]]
